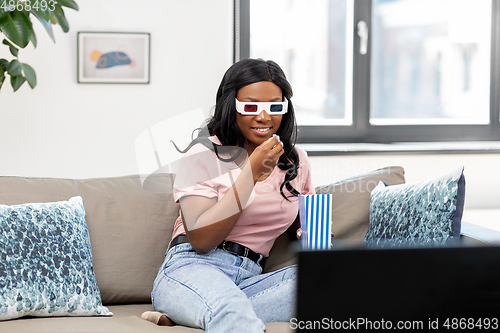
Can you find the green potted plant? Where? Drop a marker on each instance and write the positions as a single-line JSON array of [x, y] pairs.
[[16, 26]]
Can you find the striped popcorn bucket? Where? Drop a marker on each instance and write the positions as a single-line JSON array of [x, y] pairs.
[[315, 221]]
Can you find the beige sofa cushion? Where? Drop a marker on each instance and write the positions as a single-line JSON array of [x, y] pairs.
[[129, 227], [350, 213], [351, 202]]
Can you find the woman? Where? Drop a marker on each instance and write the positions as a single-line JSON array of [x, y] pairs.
[[238, 192]]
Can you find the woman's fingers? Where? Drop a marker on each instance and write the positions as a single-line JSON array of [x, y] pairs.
[[270, 148], [277, 144], [277, 150], [266, 156]]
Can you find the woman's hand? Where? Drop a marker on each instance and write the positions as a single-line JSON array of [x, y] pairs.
[[298, 234], [265, 157]]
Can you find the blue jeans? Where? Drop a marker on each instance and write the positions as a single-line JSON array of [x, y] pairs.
[[222, 292]]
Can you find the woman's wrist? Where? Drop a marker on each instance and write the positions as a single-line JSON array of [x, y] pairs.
[[248, 171]]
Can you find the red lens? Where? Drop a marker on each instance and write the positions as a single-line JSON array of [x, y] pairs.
[[250, 108]]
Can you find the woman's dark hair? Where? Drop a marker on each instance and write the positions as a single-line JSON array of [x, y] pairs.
[[223, 122]]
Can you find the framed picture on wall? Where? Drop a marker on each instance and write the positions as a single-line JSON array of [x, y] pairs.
[[113, 57]]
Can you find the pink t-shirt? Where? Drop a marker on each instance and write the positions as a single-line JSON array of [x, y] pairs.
[[267, 214]]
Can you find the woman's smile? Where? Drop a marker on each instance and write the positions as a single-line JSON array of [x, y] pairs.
[[262, 130]]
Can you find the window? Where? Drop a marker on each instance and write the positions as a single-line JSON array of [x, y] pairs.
[[382, 70]]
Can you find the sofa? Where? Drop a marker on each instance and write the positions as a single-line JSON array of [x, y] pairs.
[[130, 221]]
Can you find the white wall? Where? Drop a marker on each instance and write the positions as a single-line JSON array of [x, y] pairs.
[[66, 129], [480, 171]]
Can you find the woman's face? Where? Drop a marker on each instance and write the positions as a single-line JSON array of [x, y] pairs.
[[261, 127]]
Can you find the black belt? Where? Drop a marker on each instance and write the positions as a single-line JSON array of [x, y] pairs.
[[227, 246]]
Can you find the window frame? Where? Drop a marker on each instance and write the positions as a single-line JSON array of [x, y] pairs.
[[361, 131]]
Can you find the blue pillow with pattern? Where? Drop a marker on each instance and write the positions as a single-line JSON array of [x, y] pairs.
[[420, 214], [46, 261]]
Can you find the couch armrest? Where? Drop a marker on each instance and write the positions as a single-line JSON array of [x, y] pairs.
[[473, 234]]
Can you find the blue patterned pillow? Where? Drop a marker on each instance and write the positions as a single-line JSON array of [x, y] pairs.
[[426, 213], [46, 261]]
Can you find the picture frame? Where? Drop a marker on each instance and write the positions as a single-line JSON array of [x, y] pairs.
[[113, 57]]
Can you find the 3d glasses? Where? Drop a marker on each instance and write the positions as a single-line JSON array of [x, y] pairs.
[[255, 108]]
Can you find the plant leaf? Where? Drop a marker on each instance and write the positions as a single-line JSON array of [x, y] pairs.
[[14, 50], [68, 3], [2, 79], [17, 28], [15, 68], [46, 24], [58, 14], [17, 81], [33, 39], [4, 64], [30, 75], [4, 8], [45, 14]]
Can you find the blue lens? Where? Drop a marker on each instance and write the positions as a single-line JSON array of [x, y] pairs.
[[276, 108]]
